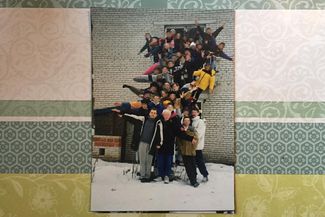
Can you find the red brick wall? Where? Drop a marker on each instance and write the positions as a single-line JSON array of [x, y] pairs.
[[111, 144], [107, 141]]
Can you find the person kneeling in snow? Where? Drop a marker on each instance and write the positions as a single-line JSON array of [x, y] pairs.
[[151, 136]]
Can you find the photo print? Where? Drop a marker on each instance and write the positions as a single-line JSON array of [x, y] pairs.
[[163, 110]]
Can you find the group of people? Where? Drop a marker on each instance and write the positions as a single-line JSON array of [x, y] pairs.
[[167, 118]]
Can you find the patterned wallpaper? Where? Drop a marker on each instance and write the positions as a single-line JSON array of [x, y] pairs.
[[280, 91], [72, 3], [68, 196], [45, 54], [171, 4], [280, 148], [280, 56], [45, 147], [256, 195], [45, 91]]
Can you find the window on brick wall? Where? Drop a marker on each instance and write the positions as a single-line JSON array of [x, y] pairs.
[[182, 28]]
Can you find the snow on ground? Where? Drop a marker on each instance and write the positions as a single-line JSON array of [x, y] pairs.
[[114, 189]]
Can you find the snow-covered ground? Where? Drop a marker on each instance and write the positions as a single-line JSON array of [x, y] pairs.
[[114, 189]]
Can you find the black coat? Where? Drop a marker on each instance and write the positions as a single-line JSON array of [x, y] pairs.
[[137, 131], [171, 129]]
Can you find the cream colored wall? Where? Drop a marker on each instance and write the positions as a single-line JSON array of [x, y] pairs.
[[45, 54], [280, 55]]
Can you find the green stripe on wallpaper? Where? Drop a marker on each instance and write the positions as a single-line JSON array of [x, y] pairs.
[[45, 108], [280, 109]]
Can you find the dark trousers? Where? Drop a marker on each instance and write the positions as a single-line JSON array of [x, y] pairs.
[[164, 162], [154, 51], [190, 167], [196, 94], [134, 90], [200, 163]]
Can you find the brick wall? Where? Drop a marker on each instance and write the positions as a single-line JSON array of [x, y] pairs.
[[117, 36], [111, 144]]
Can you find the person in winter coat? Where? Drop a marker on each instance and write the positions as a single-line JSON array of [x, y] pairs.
[[124, 107], [156, 103], [148, 133], [171, 129], [142, 111], [178, 43], [206, 79], [188, 152], [164, 75], [200, 127], [147, 37], [154, 49], [209, 37]]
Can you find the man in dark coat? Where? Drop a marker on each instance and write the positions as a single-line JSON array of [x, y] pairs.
[[171, 129]]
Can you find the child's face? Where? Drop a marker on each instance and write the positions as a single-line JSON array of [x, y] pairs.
[[178, 54], [163, 94], [156, 99], [144, 106], [167, 86], [195, 113], [175, 87], [153, 89], [207, 67], [156, 71], [165, 70], [170, 107], [146, 96], [186, 122], [221, 46]]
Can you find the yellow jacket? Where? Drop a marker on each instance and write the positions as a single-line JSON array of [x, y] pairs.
[[205, 79]]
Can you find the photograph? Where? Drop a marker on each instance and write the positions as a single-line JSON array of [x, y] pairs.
[[163, 110]]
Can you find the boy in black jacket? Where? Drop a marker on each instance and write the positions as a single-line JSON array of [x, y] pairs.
[[148, 134]]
